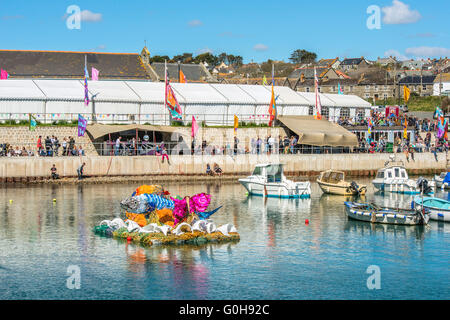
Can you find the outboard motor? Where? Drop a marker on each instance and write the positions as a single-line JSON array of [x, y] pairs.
[[354, 186], [423, 186]]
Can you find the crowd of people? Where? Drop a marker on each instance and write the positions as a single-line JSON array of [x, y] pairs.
[[50, 146]]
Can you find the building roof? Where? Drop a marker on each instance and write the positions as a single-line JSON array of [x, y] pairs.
[[308, 73], [444, 77], [327, 62], [192, 72], [352, 61], [417, 80], [67, 64]]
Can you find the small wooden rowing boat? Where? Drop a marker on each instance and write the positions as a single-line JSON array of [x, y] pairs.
[[374, 214], [333, 182], [439, 208]]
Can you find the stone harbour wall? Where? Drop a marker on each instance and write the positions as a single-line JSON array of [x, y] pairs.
[[22, 169], [22, 137]]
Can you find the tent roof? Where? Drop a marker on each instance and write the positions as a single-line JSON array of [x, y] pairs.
[[319, 132], [100, 130], [20, 90], [342, 100], [153, 92]]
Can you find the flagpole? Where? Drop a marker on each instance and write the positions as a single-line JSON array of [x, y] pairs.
[[165, 87]]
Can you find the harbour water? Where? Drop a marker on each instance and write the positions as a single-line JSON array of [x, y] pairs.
[[279, 256]]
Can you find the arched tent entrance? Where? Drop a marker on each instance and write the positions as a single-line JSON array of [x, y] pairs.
[[147, 137]]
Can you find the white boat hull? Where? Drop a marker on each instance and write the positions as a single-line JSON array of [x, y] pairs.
[[300, 190], [396, 187]]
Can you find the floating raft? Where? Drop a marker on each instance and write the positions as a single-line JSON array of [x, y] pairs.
[[156, 239]]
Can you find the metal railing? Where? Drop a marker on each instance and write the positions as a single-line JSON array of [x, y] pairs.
[[144, 148]]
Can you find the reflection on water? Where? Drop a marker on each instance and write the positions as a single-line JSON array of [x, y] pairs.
[[279, 256]]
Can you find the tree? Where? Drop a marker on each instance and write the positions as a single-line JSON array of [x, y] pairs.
[[159, 59], [207, 57], [183, 58], [303, 56]]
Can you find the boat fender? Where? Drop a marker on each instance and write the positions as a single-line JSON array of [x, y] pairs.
[[412, 205]]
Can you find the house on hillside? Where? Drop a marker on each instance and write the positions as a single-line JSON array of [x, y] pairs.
[[387, 61], [413, 64], [422, 85], [308, 73], [441, 85], [354, 64], [329, 63]]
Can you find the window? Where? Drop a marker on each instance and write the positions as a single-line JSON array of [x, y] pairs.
[[380, 175], [376, 88], [311, 111], [385, 95], [318, 88], [397, 172], [367, 95], [403, 174], [367, 87], [360, 114], [307, 89], [345, 112], [326, 112], [385, 87], [389, 174], [424, 87], [333, 89], [351, 88], [257, 171]]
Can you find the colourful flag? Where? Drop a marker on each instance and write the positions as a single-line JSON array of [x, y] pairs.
[[236, 123], [3, 74], [182, 77], [370, 126], [82, 123], [406, 93], [318, 115], [95, 74], [339, 89], [264, 82], [194, 128], [272, 108], [172, 103], [405, 129], [33, 123]]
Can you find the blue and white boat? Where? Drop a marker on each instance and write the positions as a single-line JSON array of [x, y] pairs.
[[443, 180], [374, 214], [268, 180], [394, 178], [439, 208]]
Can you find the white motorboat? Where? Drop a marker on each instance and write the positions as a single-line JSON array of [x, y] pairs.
[[394, 178], [441, 181], [268, 180]]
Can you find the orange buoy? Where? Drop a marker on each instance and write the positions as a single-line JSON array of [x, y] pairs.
[[306, 221]]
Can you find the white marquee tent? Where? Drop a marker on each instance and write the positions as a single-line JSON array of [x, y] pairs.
[[143, 102]]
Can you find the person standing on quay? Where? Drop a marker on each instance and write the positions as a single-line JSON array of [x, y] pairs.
[[39, 145]]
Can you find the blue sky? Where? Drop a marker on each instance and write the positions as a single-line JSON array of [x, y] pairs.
[[256, 30]]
